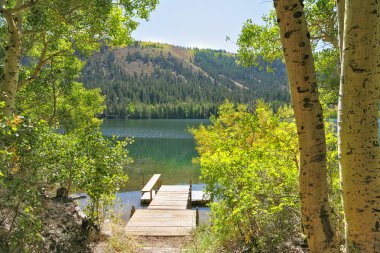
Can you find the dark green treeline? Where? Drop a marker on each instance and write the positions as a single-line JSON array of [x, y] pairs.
[[155, 81]]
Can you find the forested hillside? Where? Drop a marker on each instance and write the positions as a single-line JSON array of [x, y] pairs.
[[147, 80]]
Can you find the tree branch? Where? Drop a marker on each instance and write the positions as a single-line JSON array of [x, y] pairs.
[[12, 27], [41, 62], [39, 65], [32, 32], [19, 16], [1, 6], [19, 8]]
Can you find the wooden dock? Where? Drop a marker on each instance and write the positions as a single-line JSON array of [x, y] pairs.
[[156, 222], [169, 211], [148, 193], [199, 198], [166, 215], [171, 197]]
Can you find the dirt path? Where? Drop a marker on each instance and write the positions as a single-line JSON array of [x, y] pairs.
[[161, 244]]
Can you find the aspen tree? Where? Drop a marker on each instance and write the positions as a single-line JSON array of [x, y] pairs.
[[40, 30], [9, 79], [358, 124], [315, 209]]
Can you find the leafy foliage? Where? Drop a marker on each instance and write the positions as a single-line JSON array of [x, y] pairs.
[[262, 42], [42, 31], [57, 142], [36, 158], [249, 161], [107, 161]]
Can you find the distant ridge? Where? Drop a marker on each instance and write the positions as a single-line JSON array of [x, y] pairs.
[[155, 80]]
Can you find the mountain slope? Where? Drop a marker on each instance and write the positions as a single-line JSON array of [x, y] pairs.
[[151, 80]]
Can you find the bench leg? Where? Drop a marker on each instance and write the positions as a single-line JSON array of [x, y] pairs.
[[197, 216], [190, 198], [133, 210]]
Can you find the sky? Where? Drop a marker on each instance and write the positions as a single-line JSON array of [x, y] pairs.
[[201, 23]]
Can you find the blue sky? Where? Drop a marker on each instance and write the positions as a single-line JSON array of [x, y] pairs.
[[201, 23]]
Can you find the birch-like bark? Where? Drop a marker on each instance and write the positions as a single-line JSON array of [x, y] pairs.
[[315, 209], [358, 125], [9, 79]]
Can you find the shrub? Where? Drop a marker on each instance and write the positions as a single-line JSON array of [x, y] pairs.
[[249, 162], [35, 159]]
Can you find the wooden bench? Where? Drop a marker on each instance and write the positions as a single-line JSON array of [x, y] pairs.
[[148, 193]]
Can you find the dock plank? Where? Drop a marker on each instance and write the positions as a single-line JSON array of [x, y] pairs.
[[199, 198], [166, 215], [160, 223], [168, 207], [167, 203], [159, 231], [171, 197], [147, 212], [155, 222], [174, 188]]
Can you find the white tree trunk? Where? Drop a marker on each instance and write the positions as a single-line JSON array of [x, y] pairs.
[[358, 125], [315, 209], [9, 79]]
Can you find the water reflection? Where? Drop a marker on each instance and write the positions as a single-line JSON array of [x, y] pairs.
[[160, 146]]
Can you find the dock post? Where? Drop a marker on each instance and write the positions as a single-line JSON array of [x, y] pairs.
[[191, 190], [197, 216], [133, 210]]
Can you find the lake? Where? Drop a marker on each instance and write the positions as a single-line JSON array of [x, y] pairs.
[[162, 146]]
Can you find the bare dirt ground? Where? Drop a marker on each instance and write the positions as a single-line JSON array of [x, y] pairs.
[[161, 244]]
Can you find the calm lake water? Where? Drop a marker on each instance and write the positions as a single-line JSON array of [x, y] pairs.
[[162, 146]]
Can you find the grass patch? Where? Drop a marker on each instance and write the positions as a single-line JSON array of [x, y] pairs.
[[202, 241], [116, 241]]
